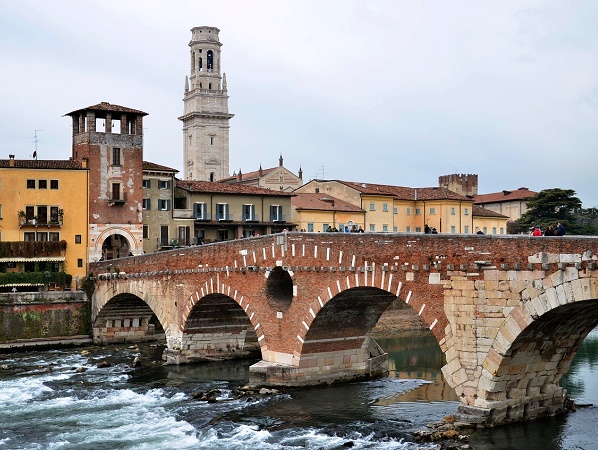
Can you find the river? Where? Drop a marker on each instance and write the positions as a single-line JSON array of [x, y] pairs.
[[47, 403]]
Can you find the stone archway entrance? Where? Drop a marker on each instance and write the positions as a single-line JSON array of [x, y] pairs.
[[115, 246]]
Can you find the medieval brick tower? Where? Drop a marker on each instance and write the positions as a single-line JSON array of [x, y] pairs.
[[206, 118], [110, 138], [462, 184]]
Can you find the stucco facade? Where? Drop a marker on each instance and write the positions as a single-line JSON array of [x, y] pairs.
[[46, 201]]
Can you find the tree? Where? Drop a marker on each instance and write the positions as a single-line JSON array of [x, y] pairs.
[[550, 206]]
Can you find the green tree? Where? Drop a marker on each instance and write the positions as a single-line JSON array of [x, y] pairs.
[[550, 206]]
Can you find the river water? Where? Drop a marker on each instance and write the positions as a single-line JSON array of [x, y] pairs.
[[47, 404]]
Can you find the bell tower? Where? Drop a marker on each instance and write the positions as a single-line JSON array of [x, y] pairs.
[[206, 117]]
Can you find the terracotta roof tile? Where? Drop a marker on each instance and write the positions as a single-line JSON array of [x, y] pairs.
[[147, 165], [405, 193], [522, 193], [322, 202], [225, 188], [105, 106], [41, 164], [248, 176], [483, 212]]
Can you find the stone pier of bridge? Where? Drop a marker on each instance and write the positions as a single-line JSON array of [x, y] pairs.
[[508, 312]]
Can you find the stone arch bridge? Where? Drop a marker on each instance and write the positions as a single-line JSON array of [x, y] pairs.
[[509, 312]]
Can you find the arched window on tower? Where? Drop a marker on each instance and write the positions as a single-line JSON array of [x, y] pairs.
[[192, 61], [211, 176], [200, 63], [210, 61]]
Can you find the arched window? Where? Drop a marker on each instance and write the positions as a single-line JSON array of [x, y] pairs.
[[210, 61], [210, 86], [192, 61], [211, 176], [200, 63]]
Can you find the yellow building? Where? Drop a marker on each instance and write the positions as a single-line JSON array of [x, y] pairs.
[[44, 205], [488, 222], [404, 209], [317, 212]]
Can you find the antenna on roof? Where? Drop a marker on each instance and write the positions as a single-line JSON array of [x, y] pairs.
[[35, 141], [321, 168]]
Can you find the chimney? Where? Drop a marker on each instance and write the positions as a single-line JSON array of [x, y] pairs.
[[11, 163], [261, 172], [84, 163], [300, 173], [239, 176], [415, 194]]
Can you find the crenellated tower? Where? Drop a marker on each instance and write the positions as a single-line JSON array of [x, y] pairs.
[[206, 117]]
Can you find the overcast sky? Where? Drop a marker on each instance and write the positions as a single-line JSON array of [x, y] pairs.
[[393, 92]]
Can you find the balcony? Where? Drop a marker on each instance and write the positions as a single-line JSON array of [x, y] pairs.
[[36, 221], [278, 218], [251, 218], [117, 199]]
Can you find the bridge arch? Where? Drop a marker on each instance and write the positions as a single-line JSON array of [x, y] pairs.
[[533, 349], [115, 242], [216, 328], [126, 318]]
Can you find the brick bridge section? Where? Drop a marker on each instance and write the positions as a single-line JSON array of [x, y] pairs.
[[509, 312]]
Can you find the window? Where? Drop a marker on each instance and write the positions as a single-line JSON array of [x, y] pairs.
[[249, 213], [418, 211], [54, 236], [163, 184], [116, 194], [317, 190], [310, 227], [30, 184], [384, 227], [210, 61], [453, 211], [408, 211], [408, 229], [147, 183], [502, 231], [145, 232], [54, 217], [395, 229], [42, 236], [223, 235], [493, 230], [466, 230], [200, 211], [164, 204], [77, 239], [29, 236], [385, 207], [116, 157], [432, 210], [42, 214], [146, 204], [485, 230], [372, 207], [29, 213], [372, 227], [395, 210], [53, 184], [211, 140], [453, 229], [276, 213], [418, 229], [466, 211], [222, 211], [42, 184], [183, 236], [79, 262], [164, 234], [325, 226]]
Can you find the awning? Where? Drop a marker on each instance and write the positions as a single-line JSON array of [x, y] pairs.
[[21, 284], [39, 258]]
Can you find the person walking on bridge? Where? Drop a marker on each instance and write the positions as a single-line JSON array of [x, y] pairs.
[[537, 231], [560, 229]]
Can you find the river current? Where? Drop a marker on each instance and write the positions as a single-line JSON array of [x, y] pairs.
[[61, 399]]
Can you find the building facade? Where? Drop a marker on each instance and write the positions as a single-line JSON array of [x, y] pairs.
[[512, 204], [205, 117], [212, 212], [158, 203], [44, 212], [109, 138], [317, 213], [274, 178], [405, 209]]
